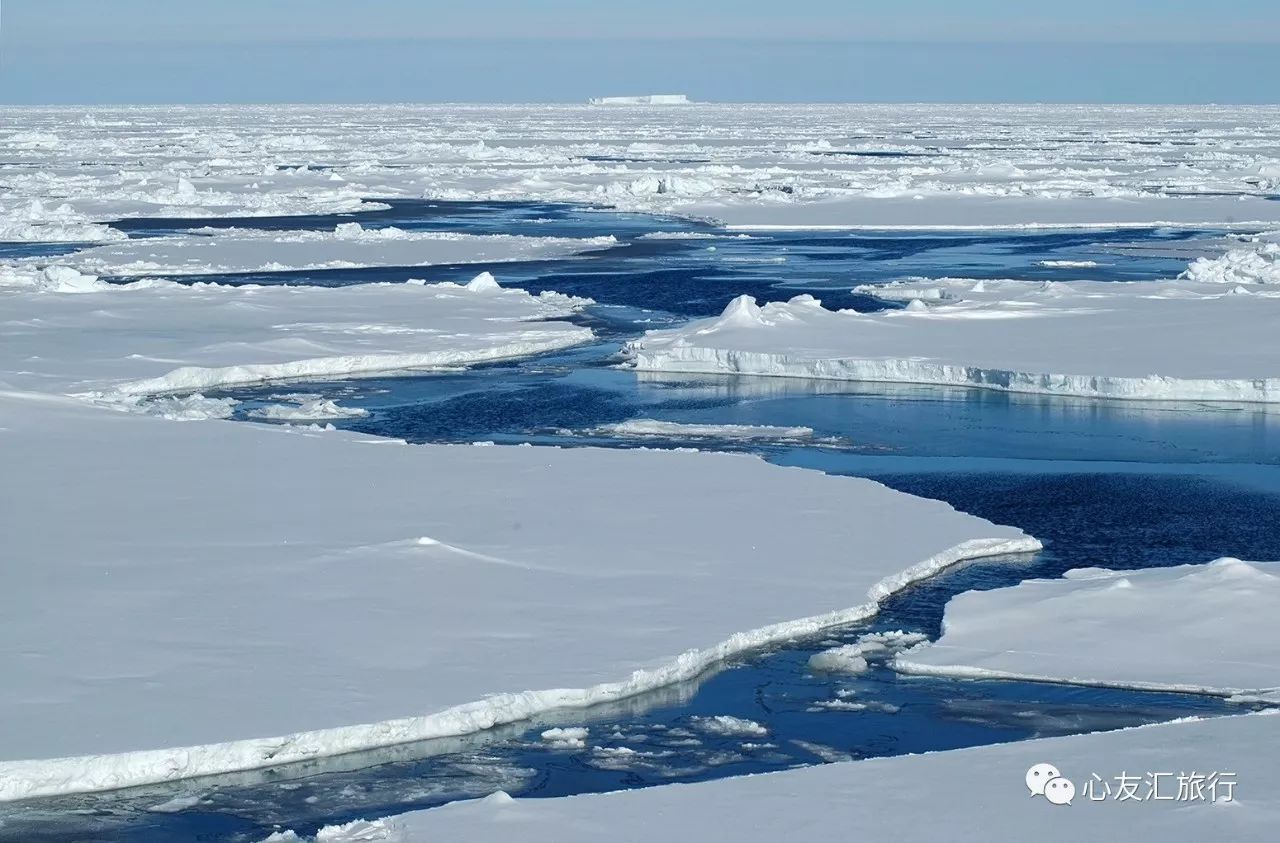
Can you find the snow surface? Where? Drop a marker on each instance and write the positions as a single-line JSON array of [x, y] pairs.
[[967, 794], [161, 337], [234, 596], [1202, 628], [231, 250], [1093, 339]]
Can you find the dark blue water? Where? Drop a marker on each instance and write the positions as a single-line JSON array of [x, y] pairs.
[[698, 277], [1115, 484], [10, 249]]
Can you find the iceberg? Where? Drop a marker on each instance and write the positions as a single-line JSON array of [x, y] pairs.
[[644, 99]]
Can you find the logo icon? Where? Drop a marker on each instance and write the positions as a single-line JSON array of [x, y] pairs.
[[1047, 781]]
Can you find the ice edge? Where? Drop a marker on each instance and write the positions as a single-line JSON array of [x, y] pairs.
[[902, 664], [723, 361], [84, 774]]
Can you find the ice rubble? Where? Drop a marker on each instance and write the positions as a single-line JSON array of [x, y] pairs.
[[787, 165], [218, 604], [856, 657], [682, 430], [318, 409], [568, 737], [1200, 628], [728, 725], [974, 794], [1094, 339], [1258, 265]]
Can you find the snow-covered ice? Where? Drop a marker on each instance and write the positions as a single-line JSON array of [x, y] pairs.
[[1203, 628], [167, 338], [974, 794], [872, 166], [1258, 264], [566, 737], [855, 657], [725, 724], [236, 596], [232, 250], [1093, 339], [318, 409]]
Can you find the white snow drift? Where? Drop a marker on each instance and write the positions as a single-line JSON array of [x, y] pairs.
[[1202, 628], [1148, 340]]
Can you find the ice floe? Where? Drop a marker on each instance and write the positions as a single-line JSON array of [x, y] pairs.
[[348, 246], [1202, 628], [319, 409], [1227, 767], [1093, 339], [656, 428], [124, 344], [855, 657], [237, 605]]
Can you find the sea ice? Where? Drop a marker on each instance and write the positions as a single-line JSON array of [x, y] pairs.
[[230, 616], [349, 246], [974, 794], [681, 430], [1203, 628], [1093, 339], [127, 344]]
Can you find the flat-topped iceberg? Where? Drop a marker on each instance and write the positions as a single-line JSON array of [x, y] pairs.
[[643, 99], [1141, 340]]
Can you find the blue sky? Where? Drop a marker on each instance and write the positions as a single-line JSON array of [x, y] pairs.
[[104, 51]]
